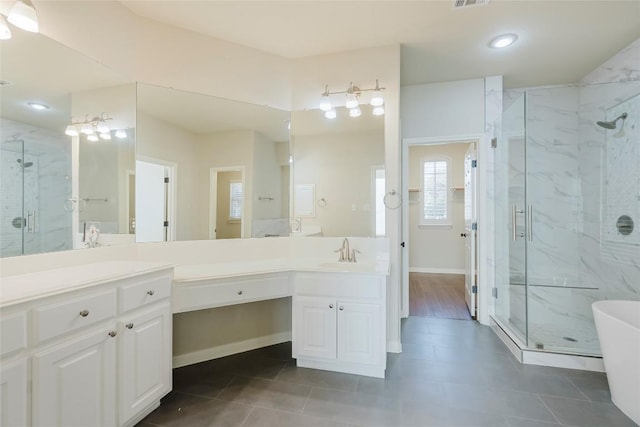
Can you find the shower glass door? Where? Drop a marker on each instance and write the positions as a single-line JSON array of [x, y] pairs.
[[12, 199]]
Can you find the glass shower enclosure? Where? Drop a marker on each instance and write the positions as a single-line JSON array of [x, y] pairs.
[[35, 171], [568, 201]]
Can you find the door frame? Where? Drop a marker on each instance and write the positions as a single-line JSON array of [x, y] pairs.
[[480, 141], [172, 205], [213, 198]]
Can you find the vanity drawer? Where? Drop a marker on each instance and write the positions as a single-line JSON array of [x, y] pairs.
[[56, 319], [187, 297], [339, 285], [13, 333], [144, 292]]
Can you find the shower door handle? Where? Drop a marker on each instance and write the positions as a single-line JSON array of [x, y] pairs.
[[514, 222], [29, 222], [530, 223]]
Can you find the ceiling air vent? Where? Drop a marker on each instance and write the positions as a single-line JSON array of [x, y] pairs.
[[459, 4]]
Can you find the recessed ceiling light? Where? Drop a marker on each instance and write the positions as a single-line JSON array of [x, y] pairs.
[[38, 106], [503, 40]]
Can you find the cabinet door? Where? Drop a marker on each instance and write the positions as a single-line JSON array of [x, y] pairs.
[[74, 383], [13, 394], [315, 327], [145, 370], [359, 332]]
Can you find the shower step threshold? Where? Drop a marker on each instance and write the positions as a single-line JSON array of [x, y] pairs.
[[546, 357]]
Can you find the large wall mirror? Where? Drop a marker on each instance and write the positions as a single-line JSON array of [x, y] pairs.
[[338, 180], [209, 168], [53, 184]]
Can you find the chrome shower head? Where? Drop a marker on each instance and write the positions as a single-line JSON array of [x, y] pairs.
[[25, 164], [612, 123]]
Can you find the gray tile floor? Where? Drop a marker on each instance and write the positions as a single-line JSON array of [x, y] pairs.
[[451, 373]]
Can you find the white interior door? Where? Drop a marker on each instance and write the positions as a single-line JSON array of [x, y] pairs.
[[150, 202], [470, 226]]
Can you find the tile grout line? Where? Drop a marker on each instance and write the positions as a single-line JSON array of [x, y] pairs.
[[580, 390], [253, 408], [548, 408]]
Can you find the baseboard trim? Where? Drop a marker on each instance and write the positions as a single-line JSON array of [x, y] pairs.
[[229, 349], [437, 270], [394, 347]]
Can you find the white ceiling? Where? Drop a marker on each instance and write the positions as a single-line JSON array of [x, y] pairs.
[[559, 41]]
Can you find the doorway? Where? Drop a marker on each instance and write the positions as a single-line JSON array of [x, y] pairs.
[[227, 210], [154, 218], [441, 229]]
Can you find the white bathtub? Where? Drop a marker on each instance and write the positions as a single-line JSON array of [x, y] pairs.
[[618, 326]]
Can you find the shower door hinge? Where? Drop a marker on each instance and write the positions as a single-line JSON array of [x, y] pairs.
[[474, 289], [166, 180], [494, 292], [166, 223], [474, 163], [474, 226], [494, 142]]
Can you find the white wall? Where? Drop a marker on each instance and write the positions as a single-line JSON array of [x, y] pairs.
[[437, 249], [443, 109], [159, 140]]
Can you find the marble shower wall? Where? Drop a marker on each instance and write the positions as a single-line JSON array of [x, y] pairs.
[[47, 185]]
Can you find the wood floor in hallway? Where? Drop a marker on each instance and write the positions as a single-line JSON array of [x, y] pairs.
[[437, 295]]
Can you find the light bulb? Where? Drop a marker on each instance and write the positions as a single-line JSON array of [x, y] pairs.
[[5, 32], [103, 128], [325, 104], [378, 111], [71, 130], [23, 15], [377, 99], [86, 129], [93, 137], [503, 41], [352, 101], [355, 112], [330, 114], [38, 106], [105, 135], [121, 134]]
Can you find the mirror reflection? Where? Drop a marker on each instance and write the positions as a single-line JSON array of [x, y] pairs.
[[209, 168], [338, 184], [44, 85]]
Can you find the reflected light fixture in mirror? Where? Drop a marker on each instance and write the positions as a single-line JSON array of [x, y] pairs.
[[23, 15], [90, 127], [5, 32], [352, 101]]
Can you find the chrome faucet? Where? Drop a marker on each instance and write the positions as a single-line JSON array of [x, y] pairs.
[[346, 254]]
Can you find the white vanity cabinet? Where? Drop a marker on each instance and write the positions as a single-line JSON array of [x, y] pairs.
[[91, 355], [339, 322]]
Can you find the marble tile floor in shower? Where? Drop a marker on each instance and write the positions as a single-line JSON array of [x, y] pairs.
[[451, 373]]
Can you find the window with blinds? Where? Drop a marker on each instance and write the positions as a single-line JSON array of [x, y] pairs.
[[235, 202], [436, 209]]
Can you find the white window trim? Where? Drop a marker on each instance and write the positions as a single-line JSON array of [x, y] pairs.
[[231, 218], [436, 223]]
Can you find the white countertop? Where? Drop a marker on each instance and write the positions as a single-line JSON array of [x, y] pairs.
[[24, 287], [195, 272]]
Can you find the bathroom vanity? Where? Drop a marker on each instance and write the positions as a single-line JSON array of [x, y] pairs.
[[90, 342], [93, 341]]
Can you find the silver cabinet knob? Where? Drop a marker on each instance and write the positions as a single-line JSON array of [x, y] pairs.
[[113, 334], [84, 313], [240, 292], [151, 292], [129, 326], [330, 305], [341, 308]]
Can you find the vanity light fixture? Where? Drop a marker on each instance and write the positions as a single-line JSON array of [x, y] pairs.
[[23, 15], [90, 126], [5, 32], [353, 94], [503, 41]]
